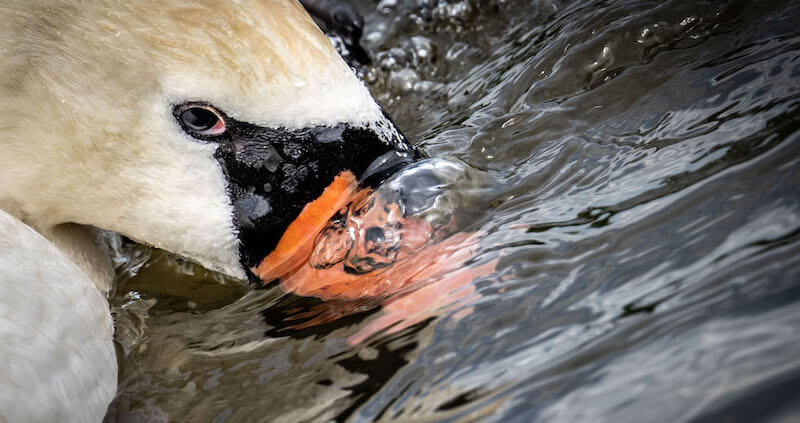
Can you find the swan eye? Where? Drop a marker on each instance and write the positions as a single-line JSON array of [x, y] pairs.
[[202, 121]]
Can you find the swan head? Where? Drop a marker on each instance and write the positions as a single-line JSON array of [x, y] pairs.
[[202, 128]]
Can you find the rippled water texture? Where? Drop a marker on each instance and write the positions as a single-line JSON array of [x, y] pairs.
[[645, 218]]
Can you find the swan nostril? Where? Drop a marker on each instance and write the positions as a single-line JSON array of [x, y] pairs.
[[374, 234]]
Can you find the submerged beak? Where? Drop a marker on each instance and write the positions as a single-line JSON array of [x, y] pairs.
[[385, 166], [296, 244], [286, 184]]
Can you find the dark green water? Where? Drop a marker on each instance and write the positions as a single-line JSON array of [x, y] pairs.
[[646, 218]]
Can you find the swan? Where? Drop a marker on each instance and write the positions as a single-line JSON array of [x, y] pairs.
[[199, 127]]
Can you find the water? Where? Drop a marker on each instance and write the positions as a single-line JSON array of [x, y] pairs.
[[645, 219]]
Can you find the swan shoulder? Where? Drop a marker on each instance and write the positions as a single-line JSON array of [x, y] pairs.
[[56, 333]]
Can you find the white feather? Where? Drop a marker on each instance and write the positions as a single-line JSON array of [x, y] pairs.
[[58, 360]]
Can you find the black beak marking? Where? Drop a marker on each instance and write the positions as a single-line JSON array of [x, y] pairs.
[[273, 173]]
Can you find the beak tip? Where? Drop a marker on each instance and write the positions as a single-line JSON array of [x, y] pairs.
[[386, 165]]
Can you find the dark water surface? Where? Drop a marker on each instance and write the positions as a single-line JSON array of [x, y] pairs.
[[646, 218]]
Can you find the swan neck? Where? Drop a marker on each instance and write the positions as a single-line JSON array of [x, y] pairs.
[[84, 246]]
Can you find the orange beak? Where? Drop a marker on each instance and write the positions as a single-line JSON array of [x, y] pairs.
[[349, 244], [295, 246]]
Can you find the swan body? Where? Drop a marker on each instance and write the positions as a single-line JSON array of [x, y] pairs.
[[199, 127], [70, 353]]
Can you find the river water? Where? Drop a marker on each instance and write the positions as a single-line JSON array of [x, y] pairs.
[[644, 218]]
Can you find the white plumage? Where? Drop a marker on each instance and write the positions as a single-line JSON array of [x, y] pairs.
[[58, 360]]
